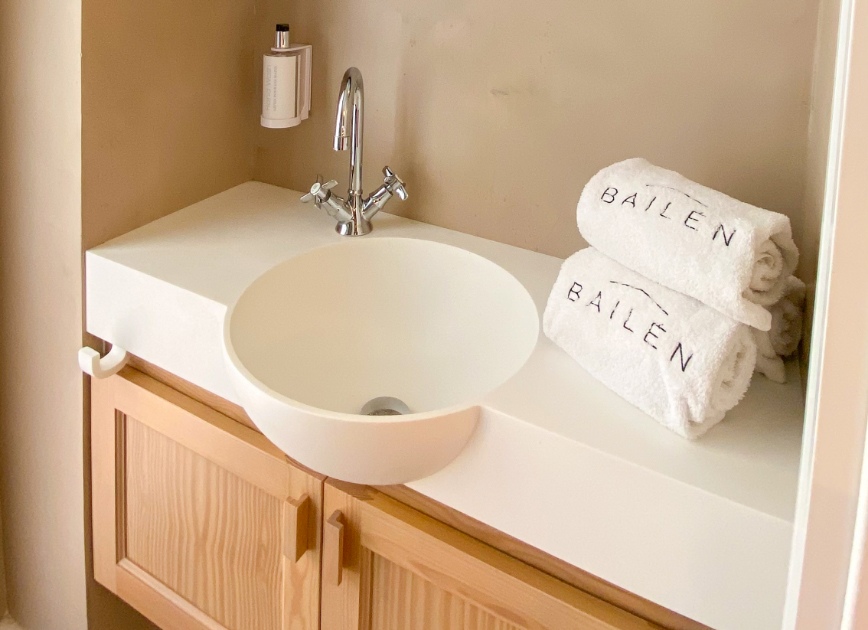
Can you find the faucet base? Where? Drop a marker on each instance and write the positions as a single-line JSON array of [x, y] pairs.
[[353, 228]]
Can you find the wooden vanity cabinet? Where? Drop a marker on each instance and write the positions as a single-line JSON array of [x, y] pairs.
[[388, 567], [199, 521]]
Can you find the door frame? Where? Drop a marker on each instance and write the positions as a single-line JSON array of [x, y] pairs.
[[822, 590]]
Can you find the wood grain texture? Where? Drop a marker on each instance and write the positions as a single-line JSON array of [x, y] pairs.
[[333, 549], [526, 553], [242, 450], [207, 400], [448, 561], [208, 535], [195, 392], [547, 563], [404, 601], [344, 605], [190, 513], [296, 518], [104, 482], [161, 605]]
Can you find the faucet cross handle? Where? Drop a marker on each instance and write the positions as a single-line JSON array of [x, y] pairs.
[[395, 184], [319, 192]]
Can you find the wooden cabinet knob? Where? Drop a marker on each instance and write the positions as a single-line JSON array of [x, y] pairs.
[[297, 518], [333, 548]]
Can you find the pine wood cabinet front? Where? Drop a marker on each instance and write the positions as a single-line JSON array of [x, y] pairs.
[[389, 567], [198, 521]]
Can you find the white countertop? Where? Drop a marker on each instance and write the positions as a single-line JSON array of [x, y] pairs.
[[557, 461]]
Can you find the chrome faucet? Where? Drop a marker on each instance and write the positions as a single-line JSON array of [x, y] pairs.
[[355, 212]]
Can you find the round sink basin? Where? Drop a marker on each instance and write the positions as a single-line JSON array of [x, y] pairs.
[[414, 332]]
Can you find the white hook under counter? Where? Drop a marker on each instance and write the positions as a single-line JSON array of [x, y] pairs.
[[112, 363]]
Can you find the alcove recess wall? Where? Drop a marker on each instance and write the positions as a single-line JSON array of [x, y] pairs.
[[496, 114], [497, 119]]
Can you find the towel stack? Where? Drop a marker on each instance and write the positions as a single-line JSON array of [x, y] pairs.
[[682, 294]]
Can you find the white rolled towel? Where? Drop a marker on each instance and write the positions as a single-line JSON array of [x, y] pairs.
[[788, 318], [676, 359], [768, 362], [725, 253], [786, 332]]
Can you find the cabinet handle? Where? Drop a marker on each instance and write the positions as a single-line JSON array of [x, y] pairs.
[[296, 517], [333, 548]]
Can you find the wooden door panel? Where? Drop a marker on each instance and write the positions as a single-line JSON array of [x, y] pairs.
[[200, 522], [403, 600], [401, 569], [208, 535]]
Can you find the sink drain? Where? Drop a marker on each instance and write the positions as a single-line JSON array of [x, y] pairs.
[[385, 406]]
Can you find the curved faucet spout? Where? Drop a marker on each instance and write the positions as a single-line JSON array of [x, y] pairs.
[[349, 125], [354, 212]]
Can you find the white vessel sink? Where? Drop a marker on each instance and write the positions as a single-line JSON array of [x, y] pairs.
[[313, 340]]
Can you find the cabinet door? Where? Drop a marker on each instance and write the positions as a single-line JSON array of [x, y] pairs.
[[198, 521], [389, 567]]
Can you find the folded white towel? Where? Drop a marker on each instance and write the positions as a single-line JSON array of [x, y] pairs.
[[725, 253], [787, 318], [768, 362], [681, 362]]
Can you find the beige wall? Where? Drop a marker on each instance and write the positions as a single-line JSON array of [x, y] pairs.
[[168, 108], [807, 224], [497, 113], [41, 450]]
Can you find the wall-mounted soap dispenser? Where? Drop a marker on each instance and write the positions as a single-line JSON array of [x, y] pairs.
[[285, 82]]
